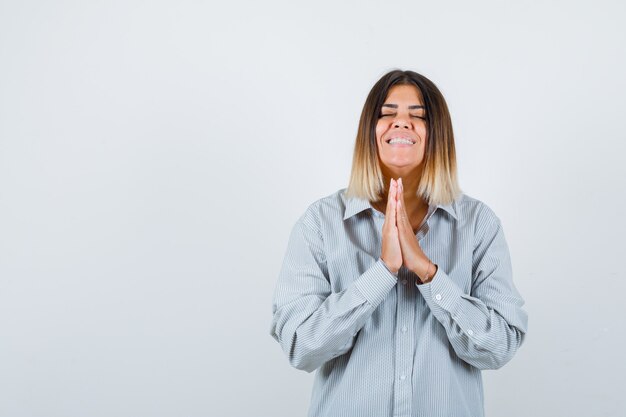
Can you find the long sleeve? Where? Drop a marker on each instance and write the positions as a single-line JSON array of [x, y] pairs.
[[313, 324], [377, 339], [486, 327]]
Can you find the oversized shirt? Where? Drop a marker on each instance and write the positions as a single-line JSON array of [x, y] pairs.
[[386, 345]]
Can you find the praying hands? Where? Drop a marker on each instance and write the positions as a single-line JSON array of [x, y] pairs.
[[400, 246]]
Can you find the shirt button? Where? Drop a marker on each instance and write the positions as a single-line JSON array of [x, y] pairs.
[[404, 329], [404, 282], [470, 332], [438, 297], [402, 377]]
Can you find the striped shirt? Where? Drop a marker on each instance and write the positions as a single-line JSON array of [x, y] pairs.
[[386, 345]]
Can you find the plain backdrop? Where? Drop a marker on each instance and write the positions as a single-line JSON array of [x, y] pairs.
[[155, 155]]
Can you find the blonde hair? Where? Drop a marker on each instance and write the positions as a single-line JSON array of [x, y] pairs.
[[439, 183]]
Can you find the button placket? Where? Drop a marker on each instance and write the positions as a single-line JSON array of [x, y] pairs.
[[405, 316]]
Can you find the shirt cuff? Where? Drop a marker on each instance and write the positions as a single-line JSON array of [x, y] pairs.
[[375, 283], [442, 295]]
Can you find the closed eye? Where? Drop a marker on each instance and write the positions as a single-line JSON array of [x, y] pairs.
[[393, 114]]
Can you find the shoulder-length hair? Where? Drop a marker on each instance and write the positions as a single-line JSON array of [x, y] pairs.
[[438, 183]]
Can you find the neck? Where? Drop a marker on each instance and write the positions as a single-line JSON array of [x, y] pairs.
[[414, 204], [410, 183]]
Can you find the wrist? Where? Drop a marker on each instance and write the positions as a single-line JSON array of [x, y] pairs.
[[426, 275], [394, 272]]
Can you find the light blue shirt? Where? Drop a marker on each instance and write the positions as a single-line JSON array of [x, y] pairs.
[[388, 346]]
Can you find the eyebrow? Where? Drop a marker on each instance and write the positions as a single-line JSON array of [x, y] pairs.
[[395, 106]]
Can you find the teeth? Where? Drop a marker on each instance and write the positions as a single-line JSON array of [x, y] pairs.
[[400, 140]]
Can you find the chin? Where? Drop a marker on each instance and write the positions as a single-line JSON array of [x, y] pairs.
[[398, 169], [403, 165]]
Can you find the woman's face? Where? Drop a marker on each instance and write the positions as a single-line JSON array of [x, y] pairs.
[[401, 131]]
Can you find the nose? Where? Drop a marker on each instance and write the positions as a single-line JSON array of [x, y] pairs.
[[401, 123]]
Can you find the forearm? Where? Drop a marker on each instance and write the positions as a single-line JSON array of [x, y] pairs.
[[313, 329], [479, 334]]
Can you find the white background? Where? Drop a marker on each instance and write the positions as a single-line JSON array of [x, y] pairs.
[[155, 155]]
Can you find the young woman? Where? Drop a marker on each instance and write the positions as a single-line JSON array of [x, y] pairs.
[[398, 290]]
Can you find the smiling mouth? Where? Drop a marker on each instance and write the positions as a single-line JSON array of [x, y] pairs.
[[400, 141]]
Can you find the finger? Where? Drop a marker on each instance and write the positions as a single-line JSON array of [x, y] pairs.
[[393, 192], [401, 212], [401, 188], [401, 218], [400, 197], [404, 225], [391, 207], [405, 216]]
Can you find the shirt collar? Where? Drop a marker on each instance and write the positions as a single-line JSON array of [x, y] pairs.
[[356, 205]]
